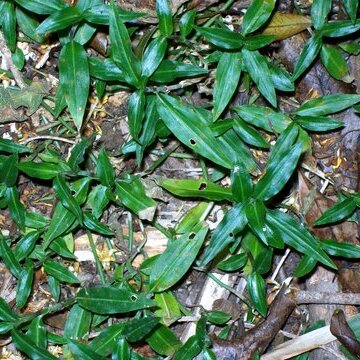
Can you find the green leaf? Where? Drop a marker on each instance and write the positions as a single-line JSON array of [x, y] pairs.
[[221, 127], [6, 326], [153, 56], [191, 130], [340, 28], [189, 350], [104, 169], [263, 117], [97, 200], [327, 104], [12, 147], [84, 33], [136, 329], [169, 70], [186, 22], [164, 14], [218, 317], [320, 10], [195, 215], [77, 323], [179, 256], [197, 188], [26, 245], [278, 175], [121, 51], [258, 41], [222, 38], [168, 308], [26, 345], [24, 285], [35, 220], [9, 25], [105, 70], [226, 81], [249, 135], [233, 222], [60, 272], [318, 123], [82, 351], [60, 20], [281, 78], [233, 263], [351, 7], [75, 79], [6, 314], [255, 213], [255, 285], [122, 351], [61, 221], [136, 107], [16, 208], [308, 55], [107, 300], [132, 195], [95, 225], [338, 212], [296, 236], [9, 171], [59, 247], [39, 7], [256, 15], [41, 170], [66, 198], [258, 69], [105, 343], [334, 62], [9, 259], [78, 152], [54, 287], [163, 341], [341, 249], [306, 265], [37, 332]]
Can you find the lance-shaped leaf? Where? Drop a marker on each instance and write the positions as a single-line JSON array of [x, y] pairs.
[[122, 350], [277, 176], [95, 225], [249, 135], [60, 272], [197, 188], [163, 340], [132, 195], [308, 55], [233, 263], [6, 314], [24, 285], [16, 208], [305, 266], [241, 184], [281, 78], [256, 15], [296, 236], [78, 152], [42, 8], [105, 70], [105, 343], [25, 344], [226, 81], [104, 169], [318, 123], [320, 10], [179, 256], [335, 63], [164, 14], [8, 18], [60, 20], [136, 107], [107, 300], [37, 332], [153, 56], [169, 70], [222, 38], [8, 258], [191, 129], [9, 171], [233, 222], [255, 285], [121, 51], [83, 351], [338, 212], [351, 7], [189, 350], [340, 28], [263, 117], [342, 249], [75, 79], [26, 245], [255, 213], [10, 146], [186, 22], [66, 198], [257, 67], [45, 171], [77, 323], [327, 104]]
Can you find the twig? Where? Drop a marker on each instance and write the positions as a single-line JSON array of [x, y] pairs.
[[281, 262], [97, 260], [48, 137], [312, 297], [11, 66]]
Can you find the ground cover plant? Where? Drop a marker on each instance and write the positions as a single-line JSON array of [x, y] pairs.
[[237, 118]]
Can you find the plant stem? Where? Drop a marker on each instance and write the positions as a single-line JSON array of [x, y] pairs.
[[97, 260]]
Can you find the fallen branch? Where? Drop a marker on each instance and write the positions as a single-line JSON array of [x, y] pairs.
[[312, 297], [11, 66]]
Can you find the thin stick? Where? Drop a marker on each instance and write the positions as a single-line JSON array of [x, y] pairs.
[[274, 275], [312, 297], [7, 56], [48, 137]]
